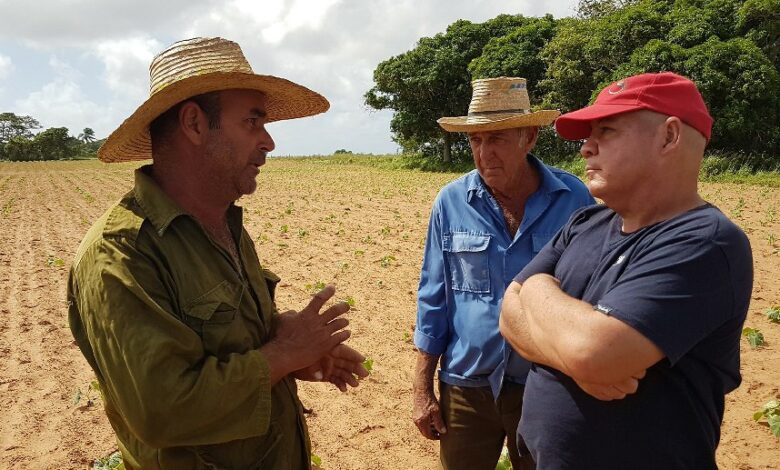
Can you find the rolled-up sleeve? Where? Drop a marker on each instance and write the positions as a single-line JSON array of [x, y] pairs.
[[432, 331], [151, 366]]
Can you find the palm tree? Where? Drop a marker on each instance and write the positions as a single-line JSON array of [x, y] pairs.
[[87, 136]]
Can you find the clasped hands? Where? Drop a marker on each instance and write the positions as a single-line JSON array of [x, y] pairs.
[[314, 341]]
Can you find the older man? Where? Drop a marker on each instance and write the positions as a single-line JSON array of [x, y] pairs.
[[168, 301], [484, 228], [632, 314]]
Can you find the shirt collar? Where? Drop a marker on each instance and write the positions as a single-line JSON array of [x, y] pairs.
[[548, 182], [158, 208]]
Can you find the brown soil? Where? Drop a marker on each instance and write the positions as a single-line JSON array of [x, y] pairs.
[[360, 227]]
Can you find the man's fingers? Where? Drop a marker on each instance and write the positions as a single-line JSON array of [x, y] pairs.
[[338, 324], [424, 425], [342, 351], [319, 299], [335, 310], [437, 421], [338, 338]]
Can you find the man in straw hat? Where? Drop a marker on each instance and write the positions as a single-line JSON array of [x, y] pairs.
[[633, 313], [168, 301], [484, 227]]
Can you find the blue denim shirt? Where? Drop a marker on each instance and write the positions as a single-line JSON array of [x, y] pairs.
[[469, 261]]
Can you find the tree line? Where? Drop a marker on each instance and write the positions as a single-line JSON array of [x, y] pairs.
[[730, 48], [20, 142]]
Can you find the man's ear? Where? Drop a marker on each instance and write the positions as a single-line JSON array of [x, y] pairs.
[[531, 135], [193, 122], [673, 129]]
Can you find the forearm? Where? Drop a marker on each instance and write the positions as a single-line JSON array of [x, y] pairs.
[[514, 326], [424, 371], [581, 342]]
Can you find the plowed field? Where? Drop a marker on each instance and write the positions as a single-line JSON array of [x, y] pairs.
[[313, 221]]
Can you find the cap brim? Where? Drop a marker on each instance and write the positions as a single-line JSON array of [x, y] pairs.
[[576, 124], [285, 100], [494, 122]]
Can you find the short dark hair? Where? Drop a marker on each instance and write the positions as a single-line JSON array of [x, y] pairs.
[[163, 126]]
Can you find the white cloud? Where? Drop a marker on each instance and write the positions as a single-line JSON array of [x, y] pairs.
[[62, 103], [126, 64], [331, 46], [6, 66]]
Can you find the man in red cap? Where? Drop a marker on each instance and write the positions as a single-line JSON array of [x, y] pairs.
[[632, 313]]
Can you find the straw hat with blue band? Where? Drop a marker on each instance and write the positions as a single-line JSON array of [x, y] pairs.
[[498, 103]]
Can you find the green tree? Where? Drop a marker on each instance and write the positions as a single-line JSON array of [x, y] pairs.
[[55, 143], [12, 126], [431, 81], [584, 53], [759, 20], [87, 135], [518, 54], [739, 83], [20, 149]]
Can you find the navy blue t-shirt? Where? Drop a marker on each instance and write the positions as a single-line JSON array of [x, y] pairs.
[[685, 284]]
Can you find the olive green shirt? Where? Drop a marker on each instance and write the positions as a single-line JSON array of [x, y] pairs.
[[172, 327]]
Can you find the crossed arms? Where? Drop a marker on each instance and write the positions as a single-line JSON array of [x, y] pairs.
[[604, 355]]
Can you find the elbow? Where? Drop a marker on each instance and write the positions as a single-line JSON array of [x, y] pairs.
[[584, 361]]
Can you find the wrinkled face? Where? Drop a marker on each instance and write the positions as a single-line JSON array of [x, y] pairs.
[[619, 155], [499, 156], [236, 151]]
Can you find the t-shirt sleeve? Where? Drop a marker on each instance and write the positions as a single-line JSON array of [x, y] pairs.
[[675, 293], [546, 260]]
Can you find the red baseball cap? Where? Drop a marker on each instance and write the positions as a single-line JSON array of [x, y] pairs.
[[665, 93]]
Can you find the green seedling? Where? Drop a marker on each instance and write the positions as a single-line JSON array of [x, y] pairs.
[[316, 460], [771, 413], [316, 287], [92, 394], [503, 462], [55, 262], [302, 232], [754, 336], [368, 364], [407, 337], [350, 301], [773, 314], [284, 228], [359, 253], [386, 260], [112, 462]]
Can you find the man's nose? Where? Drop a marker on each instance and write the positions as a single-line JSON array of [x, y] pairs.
[[267, 143], [588, 148]]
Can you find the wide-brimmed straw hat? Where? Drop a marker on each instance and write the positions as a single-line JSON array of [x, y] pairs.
[[498, 103], [201, 65]]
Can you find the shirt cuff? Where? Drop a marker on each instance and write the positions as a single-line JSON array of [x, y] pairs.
[[262, 412], [429, 344]]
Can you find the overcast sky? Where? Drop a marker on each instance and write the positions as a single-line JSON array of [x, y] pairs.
[[84, 63]]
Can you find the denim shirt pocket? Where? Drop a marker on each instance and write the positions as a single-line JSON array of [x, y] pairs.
[[539, 240], [467, 259]]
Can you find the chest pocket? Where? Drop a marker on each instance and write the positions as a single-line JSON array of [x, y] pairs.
[[467, 258], [212, 314]]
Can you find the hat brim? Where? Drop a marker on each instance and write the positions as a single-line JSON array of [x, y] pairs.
[[499, 121], [576, 124], [285, 100]]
